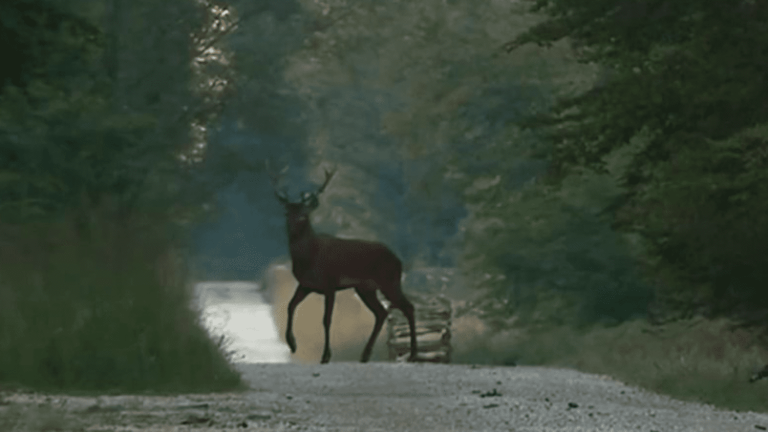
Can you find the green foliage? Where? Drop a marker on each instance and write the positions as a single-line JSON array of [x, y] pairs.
[[82, 314], [63, 147], [556, 257], [39, 38], [266, 36], [688, 76], [672, 69], [61, 140], [706, 215], [94, 123]]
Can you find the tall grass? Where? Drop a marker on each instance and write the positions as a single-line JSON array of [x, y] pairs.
[[84, 306], [699, 360]]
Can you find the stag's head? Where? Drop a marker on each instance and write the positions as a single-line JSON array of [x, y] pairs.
[[297, 213]]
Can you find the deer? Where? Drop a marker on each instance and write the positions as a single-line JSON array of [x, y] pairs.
[[324, 264]]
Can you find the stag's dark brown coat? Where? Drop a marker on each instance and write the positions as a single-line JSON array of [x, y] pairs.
[[324, 264]]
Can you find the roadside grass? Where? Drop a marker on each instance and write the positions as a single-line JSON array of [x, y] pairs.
[[35, 419], [695, 360], [95, 310]]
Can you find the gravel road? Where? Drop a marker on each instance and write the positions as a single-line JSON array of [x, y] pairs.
[[386, 397]]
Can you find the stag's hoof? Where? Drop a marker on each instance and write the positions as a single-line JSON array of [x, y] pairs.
[[365, 357], [291, 343], [326, 358]]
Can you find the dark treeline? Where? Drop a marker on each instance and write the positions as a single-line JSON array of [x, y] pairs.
[[683, 94], [98, 183]]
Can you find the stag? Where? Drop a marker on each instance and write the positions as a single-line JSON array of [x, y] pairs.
[[324, 264]]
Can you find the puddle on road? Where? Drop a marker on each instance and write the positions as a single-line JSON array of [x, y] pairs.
[[237, 310]]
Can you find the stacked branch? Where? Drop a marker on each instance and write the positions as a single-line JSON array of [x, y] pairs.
[[433, 330]]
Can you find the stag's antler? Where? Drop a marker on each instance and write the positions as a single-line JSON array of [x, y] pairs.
[[274, 178], [328, 176]]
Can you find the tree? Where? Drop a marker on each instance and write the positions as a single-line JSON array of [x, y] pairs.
[[685, 80], [96, 196]]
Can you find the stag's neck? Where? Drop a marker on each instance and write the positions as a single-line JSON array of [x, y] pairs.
[[300, 234], [302, 246]]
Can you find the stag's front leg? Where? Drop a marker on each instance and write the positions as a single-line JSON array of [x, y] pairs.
[[300, 294], [330, 297]]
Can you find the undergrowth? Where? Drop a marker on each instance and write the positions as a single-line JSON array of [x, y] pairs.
[[699, 360], [83, 309]]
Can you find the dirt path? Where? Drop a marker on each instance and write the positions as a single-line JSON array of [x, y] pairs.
[[385, 397]]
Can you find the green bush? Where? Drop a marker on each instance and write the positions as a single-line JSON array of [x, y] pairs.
[[83, 306]]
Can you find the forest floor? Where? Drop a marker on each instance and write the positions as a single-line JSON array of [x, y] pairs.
[[384, 397]]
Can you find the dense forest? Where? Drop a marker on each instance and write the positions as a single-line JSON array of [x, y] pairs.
[[684, 101], [587, 165], [97, 189]]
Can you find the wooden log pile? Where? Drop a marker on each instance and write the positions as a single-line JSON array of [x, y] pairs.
[[433, 330]]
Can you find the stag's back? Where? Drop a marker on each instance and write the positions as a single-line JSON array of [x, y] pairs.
[[345, 262]]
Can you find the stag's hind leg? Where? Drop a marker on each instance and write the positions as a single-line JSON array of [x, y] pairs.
[[404, 305], [398, 300], [300, 294], [330, 298], [369, 298]]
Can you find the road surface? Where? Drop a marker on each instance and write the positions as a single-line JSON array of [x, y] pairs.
[[386, 397]]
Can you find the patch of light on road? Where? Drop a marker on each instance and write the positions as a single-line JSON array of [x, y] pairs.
[[237, 310]]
